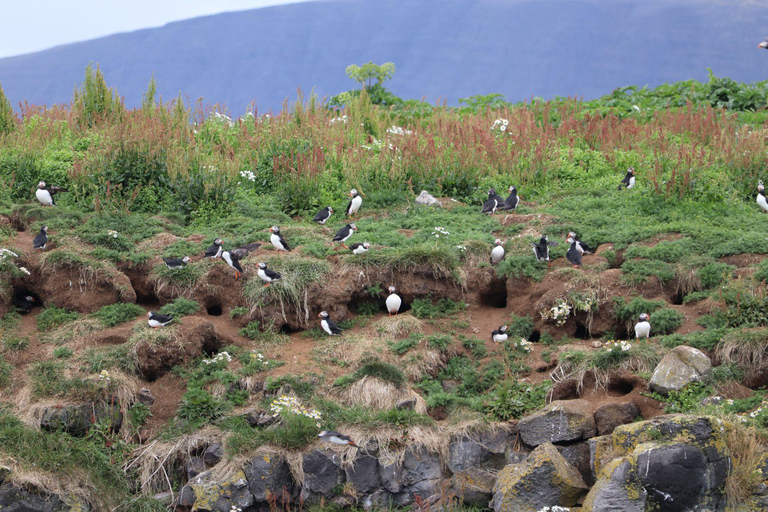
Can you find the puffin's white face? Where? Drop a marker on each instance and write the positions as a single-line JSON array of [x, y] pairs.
[[41, 184], [353, 192], [392, 289], [570, 240], [512, 189], [498, 241], [323, 433], [571, 234], [218, 241], [185, 259], [274, 229], [330, 210], [45, 228], [424, 193], [353, 227], [262, 265], [149, 313], [323, 315], [366, 245], [644, 317], [503, 328]]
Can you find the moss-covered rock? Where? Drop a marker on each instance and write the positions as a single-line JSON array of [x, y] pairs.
[[204, 494], [562, 420], [543, 480], [681, 366]]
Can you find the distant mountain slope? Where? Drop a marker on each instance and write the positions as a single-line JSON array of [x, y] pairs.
[[443, 49]]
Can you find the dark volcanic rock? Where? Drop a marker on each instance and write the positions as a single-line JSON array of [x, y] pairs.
[[77, 419], [269, 475], [213, 454], [610, 416], [322, 473], [566, 420]]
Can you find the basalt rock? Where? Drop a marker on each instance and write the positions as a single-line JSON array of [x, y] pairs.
[[78, 419], [560, 421]]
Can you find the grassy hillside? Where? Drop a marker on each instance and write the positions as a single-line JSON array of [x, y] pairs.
[[687, 245]]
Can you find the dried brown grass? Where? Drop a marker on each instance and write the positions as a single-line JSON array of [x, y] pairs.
[[375, 393]]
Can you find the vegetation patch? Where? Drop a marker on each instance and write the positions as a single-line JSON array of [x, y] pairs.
[[115, 314], [53, 317]]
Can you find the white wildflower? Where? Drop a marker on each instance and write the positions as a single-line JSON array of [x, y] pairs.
[[112, 233], [249, 175], [221, 356], [104, 376], [24, 269], [5, 253]]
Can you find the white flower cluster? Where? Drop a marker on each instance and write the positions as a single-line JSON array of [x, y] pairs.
[[461, 247], [559, 312], [342, 119], [221, 356], [525, 345], [757, 412], [235, 508], [249, 175], [24, 269], [258, 356], [104, 377], [440, 231], [287, 403], [5, 253], [112, 233], [397, 130], [584, 304], [500, 124], [618, 346], [222, 118]]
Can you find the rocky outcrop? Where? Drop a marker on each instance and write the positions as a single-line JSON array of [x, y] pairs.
[[484, 450], [474, 486], [564, 420], [611, 415], [204, 494], [543, 480], [79, 418], [322, 475], [269, 477], [681, 366]]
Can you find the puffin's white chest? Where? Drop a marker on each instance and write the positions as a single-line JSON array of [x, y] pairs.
[[355, 204], [326, 328], [762, 203], [275, 239], [497, 254], [228, 258], [643, 330], [393, 303], [44, 197], [154, 323], [500, 338], [631, 182], [360, 250], [337, 440], [263, 275]]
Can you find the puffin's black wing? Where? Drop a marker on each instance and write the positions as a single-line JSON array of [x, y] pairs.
[[322, 215], [55, 190], [349, 207], [40, 241], [489, 206], [23, 304], [355, 246], [341, 234], [250, 247], [211, 251], [240, 252], [282, 241], [161, 318], [236, 262], [585, 247], [335, 329], [497, 197], [272, 274], [511, 202], [173, 262], [573, 255], [553, 243], [625, 181]]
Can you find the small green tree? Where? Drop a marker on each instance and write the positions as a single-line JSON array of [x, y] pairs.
[[94, 101], [148, 100], [7, 116], [367, 73]]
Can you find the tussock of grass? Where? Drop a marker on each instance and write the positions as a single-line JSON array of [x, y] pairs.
[[53, 317], [373, 367], [298, 275], [73, 333], [181, 281], [115, 314], [748, 455], [398, 326], [118, 357], [373, 392], [180, 307], [748, 348]]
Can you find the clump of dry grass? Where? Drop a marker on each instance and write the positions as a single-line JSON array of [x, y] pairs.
[[748, 348], [748, 454], [379, 394], [182, 281], [398, 326], [74, 334]]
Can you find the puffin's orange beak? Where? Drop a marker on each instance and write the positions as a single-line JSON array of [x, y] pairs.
[[319, 315]]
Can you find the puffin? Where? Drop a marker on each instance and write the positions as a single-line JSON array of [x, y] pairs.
[[584, 247], [328, 325], [643, 327], [393, 301], [278, 242], [24, 304], [426, 198], [244, 250], [176, 263], [41, 240], [354, 203], [45, 193], [234, 262], [500, 334], [497, 253], [344, 233], [541, 249], [764, 44], [330, 436], [323, 215], [629, 179], [761, 202], [574, 253], [491, 204], [360, 248], [214, 251], [511, 202], [157, 320], [267, 275]]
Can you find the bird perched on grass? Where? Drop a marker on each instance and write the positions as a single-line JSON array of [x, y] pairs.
[[541, 249], [244, 250], [512, 200], [584, 247], [344, 233], [764, 44], [492, 203], [41, 240], [359, 249], [234, 262], [176, 263], [425, 198], [497, 253], [266, 275], [329, 325], [393, 301], [24, 304], [214, 251], [323, 215], [158, 320], [761, 202], [278, 242], [629, 179], [574, 253], [330, 436], [643, 327], [45, 193], [500, 334], [354, 204]]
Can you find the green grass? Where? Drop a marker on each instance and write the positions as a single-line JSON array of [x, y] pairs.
[[425, 308], [115, 314], [180, 307], [15, 343], [52, 317], [373, 367], [297, 276], [438, 341], [62, 352], [404, 345], [6, 369], [121, 357]]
